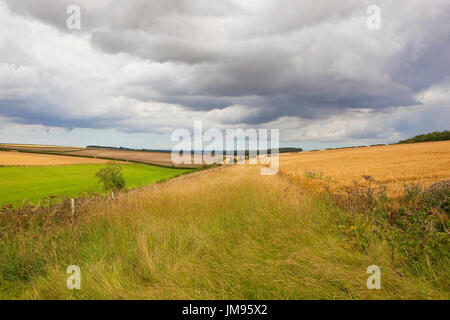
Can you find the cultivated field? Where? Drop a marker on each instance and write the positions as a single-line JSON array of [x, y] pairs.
[[159, 158], [230, 233], [392, 166], [150, 157], [37, 182], [39, 148], [11, 158]]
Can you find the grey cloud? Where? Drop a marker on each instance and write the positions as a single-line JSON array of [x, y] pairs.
[[312, 60]]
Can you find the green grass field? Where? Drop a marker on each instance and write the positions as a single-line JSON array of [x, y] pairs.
[[35, 183]]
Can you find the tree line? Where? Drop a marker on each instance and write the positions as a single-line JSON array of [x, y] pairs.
[[433, 136]]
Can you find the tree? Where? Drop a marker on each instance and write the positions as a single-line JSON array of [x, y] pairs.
[[433, 136], [111, 177]]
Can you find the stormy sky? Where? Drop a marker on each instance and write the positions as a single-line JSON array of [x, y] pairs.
[[137, 70]]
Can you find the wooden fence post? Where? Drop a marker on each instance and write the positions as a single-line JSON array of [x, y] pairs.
[[72, 201]]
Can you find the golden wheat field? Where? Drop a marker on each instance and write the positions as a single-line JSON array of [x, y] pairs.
[[392, 166], [11, 158], [150, 157]]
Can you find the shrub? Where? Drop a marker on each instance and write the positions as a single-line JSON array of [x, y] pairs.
[[412, 193], [416, 225], [438, 196], [111, 177]]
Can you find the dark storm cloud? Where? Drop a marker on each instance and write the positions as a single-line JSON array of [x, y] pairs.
[[425, 61], [312, 60], [41, 114]]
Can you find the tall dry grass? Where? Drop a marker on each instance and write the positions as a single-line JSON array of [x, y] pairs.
[[225, 233]]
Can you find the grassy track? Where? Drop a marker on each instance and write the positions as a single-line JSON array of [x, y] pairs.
[[222, 234], [34, 183]]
